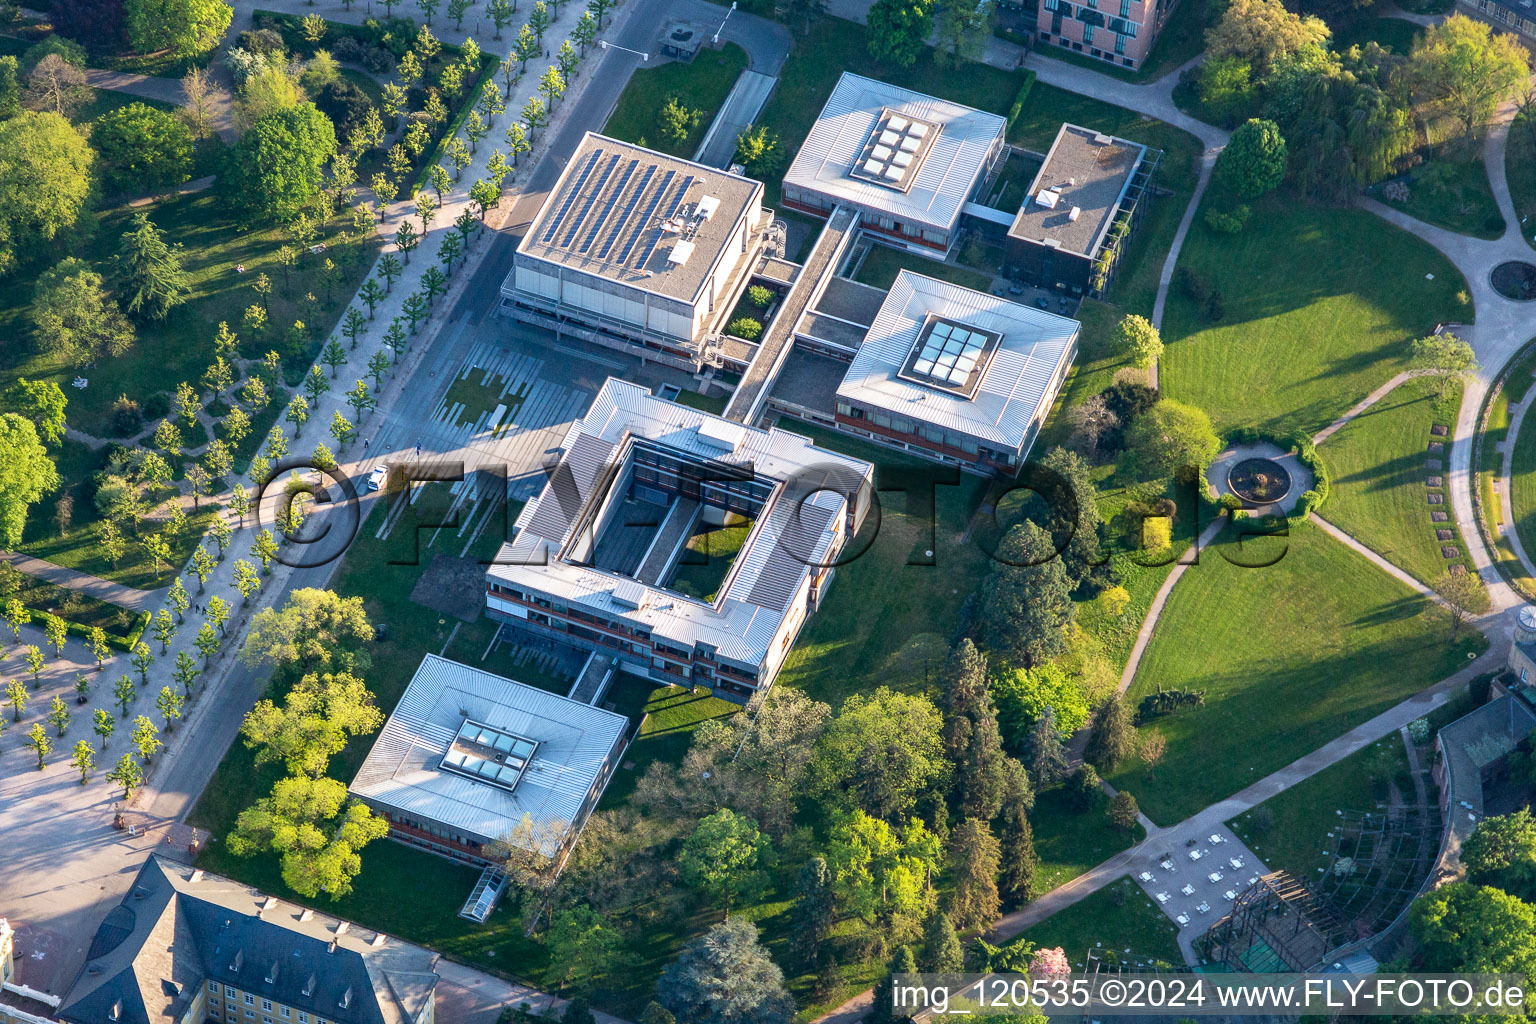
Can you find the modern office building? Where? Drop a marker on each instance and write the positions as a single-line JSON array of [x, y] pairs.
[[905, 162], [1120, 32], [689, 548], [1082, 207], [638, 251], [955, 374], [469, 759], [184, 947]]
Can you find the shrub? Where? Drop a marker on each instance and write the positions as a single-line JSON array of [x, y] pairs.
[[127, 418], [1481, 688], [1418, 730], [759, 296], [1230, 502], [143, 148], [71, 51], [157, 406], [1192, 284], [1083, 788], [1213, 307], [1156, 533], [745, 327], [1307, 503], [264, 41], [1227, 222]]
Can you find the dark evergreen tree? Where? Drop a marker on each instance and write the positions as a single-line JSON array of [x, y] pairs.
[[1047, 759], [811, 915], [655, 1013], [147, 272], [1020, 863], [941, 946], [974, 853], [1083, 788], [883, 1007], [1074, 514], [1026, 602], [577, 1012], [1113, 738], [965, 688], [725, 976]]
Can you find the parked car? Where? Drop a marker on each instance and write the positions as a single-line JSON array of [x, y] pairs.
[[376, 478]]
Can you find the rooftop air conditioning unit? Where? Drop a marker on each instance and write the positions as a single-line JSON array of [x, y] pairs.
[[1074, 213]]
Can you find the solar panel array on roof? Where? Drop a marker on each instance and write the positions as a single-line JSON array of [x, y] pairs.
[[599, 208], [488, 754], [895, 150]]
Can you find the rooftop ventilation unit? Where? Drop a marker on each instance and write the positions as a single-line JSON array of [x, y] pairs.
[[1047, 198], [680, 253], [707, 207], [1074, 213]]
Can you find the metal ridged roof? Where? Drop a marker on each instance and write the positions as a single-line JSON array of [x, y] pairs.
[[769, 570], [1013, 388], [402, 770], [948, 172]]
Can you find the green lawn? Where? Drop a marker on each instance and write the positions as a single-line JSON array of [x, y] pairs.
[[1320, 304], [883, 263], [1289, 656], [1301, 819], [1520, 172], [1378, 467], [1522, 484], [885, 622], [671, 714], [1119, 920], [1450, 190], [1395, 34], [1070, 841], [711, 551], [700, 86]]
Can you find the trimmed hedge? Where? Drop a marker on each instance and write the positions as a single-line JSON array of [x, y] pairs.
[[120, 641], [1019, 100], [1301, 444], [488, 66]]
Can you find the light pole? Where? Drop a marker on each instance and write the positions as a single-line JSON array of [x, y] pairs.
[[724, 20], [605, 44]]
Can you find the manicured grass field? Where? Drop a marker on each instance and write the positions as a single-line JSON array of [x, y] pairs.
[[1119, 919], [1378, 467], [1070, 841], [1289, 656], [711, 550], [1320, 305], [883, 263], [1522, 484], [671, 714], [1298, 840], [1520, 172], [702, 85], [1451, 190], [886, 622]]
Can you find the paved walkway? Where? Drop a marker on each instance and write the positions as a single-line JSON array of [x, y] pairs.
[[103, 590], [1365, 403], [166, 90]]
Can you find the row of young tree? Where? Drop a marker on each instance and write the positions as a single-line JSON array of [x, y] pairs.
[[1356, 116]]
